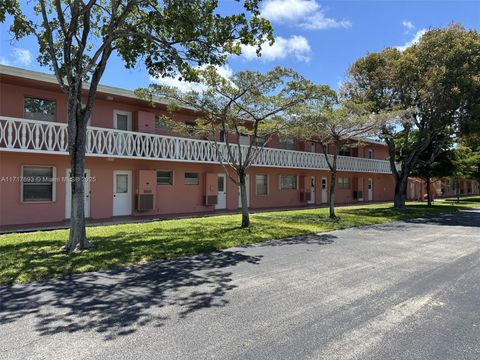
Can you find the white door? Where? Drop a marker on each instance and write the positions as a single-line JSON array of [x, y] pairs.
[[324, 190], [68, 194], [370, 189], [247, 184], [222, 192], [312, 191], [122, 193]]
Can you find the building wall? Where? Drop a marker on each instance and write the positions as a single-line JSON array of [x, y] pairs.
[[175, 199]]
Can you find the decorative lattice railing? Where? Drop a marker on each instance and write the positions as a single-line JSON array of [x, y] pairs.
[[22, 135]]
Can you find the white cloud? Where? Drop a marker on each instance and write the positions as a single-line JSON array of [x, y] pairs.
[[186, 86], [319, 21], [415, 40], [306, 14], [296, 45], [407, 24], [22, 56], [4, 61]]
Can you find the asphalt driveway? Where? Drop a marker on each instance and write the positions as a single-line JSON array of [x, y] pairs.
[[405, 290]]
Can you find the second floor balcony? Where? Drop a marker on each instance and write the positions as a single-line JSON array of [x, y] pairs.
[[23, 135]]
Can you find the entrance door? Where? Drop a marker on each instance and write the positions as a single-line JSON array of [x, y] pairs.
[[247, 184], [222, 192], [370, 189], [68, 195], [324, 190], [312, 191], [122, 193]]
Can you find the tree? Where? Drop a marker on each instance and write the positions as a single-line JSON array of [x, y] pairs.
[[77, 38], [324, 120], [465, 165], [442, 166], [247, 104], [434, 82]]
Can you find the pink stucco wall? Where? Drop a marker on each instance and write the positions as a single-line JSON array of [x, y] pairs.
[[178, 198]]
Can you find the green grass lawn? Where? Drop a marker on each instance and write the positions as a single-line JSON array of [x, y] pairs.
[[38, 255]]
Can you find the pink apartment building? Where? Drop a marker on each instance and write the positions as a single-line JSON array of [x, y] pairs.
[[137, 168]]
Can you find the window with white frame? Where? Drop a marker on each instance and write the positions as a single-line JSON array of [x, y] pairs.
[[244, 139], [39, 109], [122, 120], [261, 184], [344, 182], [38, 183], [287, 144], [287, 182], [370, 154], [164, 177], [191, 178]]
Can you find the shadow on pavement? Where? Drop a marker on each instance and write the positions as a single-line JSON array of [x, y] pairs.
[[308, 239], [118, 302], [468, 218]]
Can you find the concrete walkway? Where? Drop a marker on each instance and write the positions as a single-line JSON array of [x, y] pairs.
[[404, 290]]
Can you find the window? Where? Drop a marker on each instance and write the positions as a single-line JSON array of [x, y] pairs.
[[287, 144], [122, 120], [39, 109], [261, 184], [344, 183], [345, 151], [191, 178], [244, 139], [222, 136], [164, 177], [38, 183], [370, 154], [288, 182], [190, 127], [260, 141]]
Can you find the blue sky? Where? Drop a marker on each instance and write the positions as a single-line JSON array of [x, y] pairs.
[[320, 39]]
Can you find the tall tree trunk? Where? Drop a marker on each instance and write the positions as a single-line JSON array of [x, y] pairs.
[[77, 148], [429, 198], [333, 177], [457, 189], [400, 197], [243, 199]]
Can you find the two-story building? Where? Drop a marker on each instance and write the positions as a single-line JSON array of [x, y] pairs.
[[136, 168]]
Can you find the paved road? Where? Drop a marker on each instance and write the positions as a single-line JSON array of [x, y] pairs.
[[394, 291]]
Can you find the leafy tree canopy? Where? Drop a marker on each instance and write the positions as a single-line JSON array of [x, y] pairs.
[[435, 82]]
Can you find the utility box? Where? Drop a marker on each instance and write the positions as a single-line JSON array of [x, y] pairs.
[[145, 122], [146, 190], [211, 189]]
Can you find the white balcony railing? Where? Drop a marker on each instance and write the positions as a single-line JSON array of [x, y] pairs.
[[23, 135]]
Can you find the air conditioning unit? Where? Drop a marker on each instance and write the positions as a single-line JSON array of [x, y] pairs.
[[357, 195], [145, 202], [211, 200], [211, 189], [305, 196]]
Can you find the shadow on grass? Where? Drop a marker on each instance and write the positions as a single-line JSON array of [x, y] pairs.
[[116, 303], [474, 199]]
